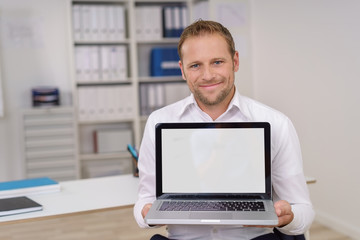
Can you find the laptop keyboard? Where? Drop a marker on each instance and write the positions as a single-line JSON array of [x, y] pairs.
[[212, 206]]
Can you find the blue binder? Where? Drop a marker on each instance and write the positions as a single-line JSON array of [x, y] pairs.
[[164, 62]]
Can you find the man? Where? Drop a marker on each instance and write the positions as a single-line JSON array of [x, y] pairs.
[[208, 62]]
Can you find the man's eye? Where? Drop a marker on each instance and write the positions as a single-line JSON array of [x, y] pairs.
[[194, 66], [218, 62]]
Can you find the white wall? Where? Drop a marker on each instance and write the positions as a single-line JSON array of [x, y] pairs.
[[235, 15], [306, 63], [33, 52]]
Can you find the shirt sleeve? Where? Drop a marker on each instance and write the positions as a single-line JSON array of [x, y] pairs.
[[146, 166], [288, 178]]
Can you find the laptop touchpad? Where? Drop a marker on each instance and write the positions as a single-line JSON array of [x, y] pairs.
[[210, 215]]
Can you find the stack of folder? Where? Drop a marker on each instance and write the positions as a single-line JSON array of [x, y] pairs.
[[157, 95], [157, 22], [98, 22], [104, 103], [101, 63], [175, 21], [149, 22]]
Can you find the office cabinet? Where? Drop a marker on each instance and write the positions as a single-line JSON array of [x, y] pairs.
[[50, 143]]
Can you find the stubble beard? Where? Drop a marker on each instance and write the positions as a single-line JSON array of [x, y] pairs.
[[219, 98]]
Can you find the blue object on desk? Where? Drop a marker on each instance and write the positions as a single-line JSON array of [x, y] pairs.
[[26, 183], [28, 186]]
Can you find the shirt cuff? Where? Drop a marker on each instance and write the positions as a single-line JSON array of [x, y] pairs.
[[138, 216], [303, 217]]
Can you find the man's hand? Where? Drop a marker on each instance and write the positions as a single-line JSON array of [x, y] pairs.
[[284, 213], [146, 209]]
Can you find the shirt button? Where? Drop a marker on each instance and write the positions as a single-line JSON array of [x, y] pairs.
[[215, 230]]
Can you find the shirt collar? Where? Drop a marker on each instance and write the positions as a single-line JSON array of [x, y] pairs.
[[238, 103], [188, 102]]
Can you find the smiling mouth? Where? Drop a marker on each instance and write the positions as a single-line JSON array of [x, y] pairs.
[[209, 85]]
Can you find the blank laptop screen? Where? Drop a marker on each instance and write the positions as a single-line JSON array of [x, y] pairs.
[[213, 160]]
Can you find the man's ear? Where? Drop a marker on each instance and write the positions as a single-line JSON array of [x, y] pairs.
[[182, 70], [236, 61]]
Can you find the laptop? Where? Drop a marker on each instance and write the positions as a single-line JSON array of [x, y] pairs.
[[216, 173]]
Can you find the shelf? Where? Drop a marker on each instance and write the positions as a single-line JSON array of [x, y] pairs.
[[164, 79], [96, 42], [101, 1], [40, 111], [44, 122], [99, 156], [160, 1], [102, 83], [162, 41], [124, 120]]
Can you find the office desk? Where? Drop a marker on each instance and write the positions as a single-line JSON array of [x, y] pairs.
[[87, 195], [82, 196]]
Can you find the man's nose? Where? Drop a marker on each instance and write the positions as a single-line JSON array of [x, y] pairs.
[[208, 73]]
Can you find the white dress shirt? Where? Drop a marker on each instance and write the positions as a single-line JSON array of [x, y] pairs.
[[287, 172]]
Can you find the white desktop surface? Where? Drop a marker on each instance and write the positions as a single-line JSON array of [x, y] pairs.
[[84, 195], [87, 195]]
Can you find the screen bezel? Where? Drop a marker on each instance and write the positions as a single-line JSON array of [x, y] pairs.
[[158, 159]]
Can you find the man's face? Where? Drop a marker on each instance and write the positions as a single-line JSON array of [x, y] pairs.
[[209, 69]]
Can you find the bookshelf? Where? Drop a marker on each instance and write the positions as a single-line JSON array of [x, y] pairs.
[[114, 87]]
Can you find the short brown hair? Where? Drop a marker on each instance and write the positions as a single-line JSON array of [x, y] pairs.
[[201, 27]]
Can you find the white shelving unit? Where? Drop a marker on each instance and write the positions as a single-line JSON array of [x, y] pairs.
[[138, 74]]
